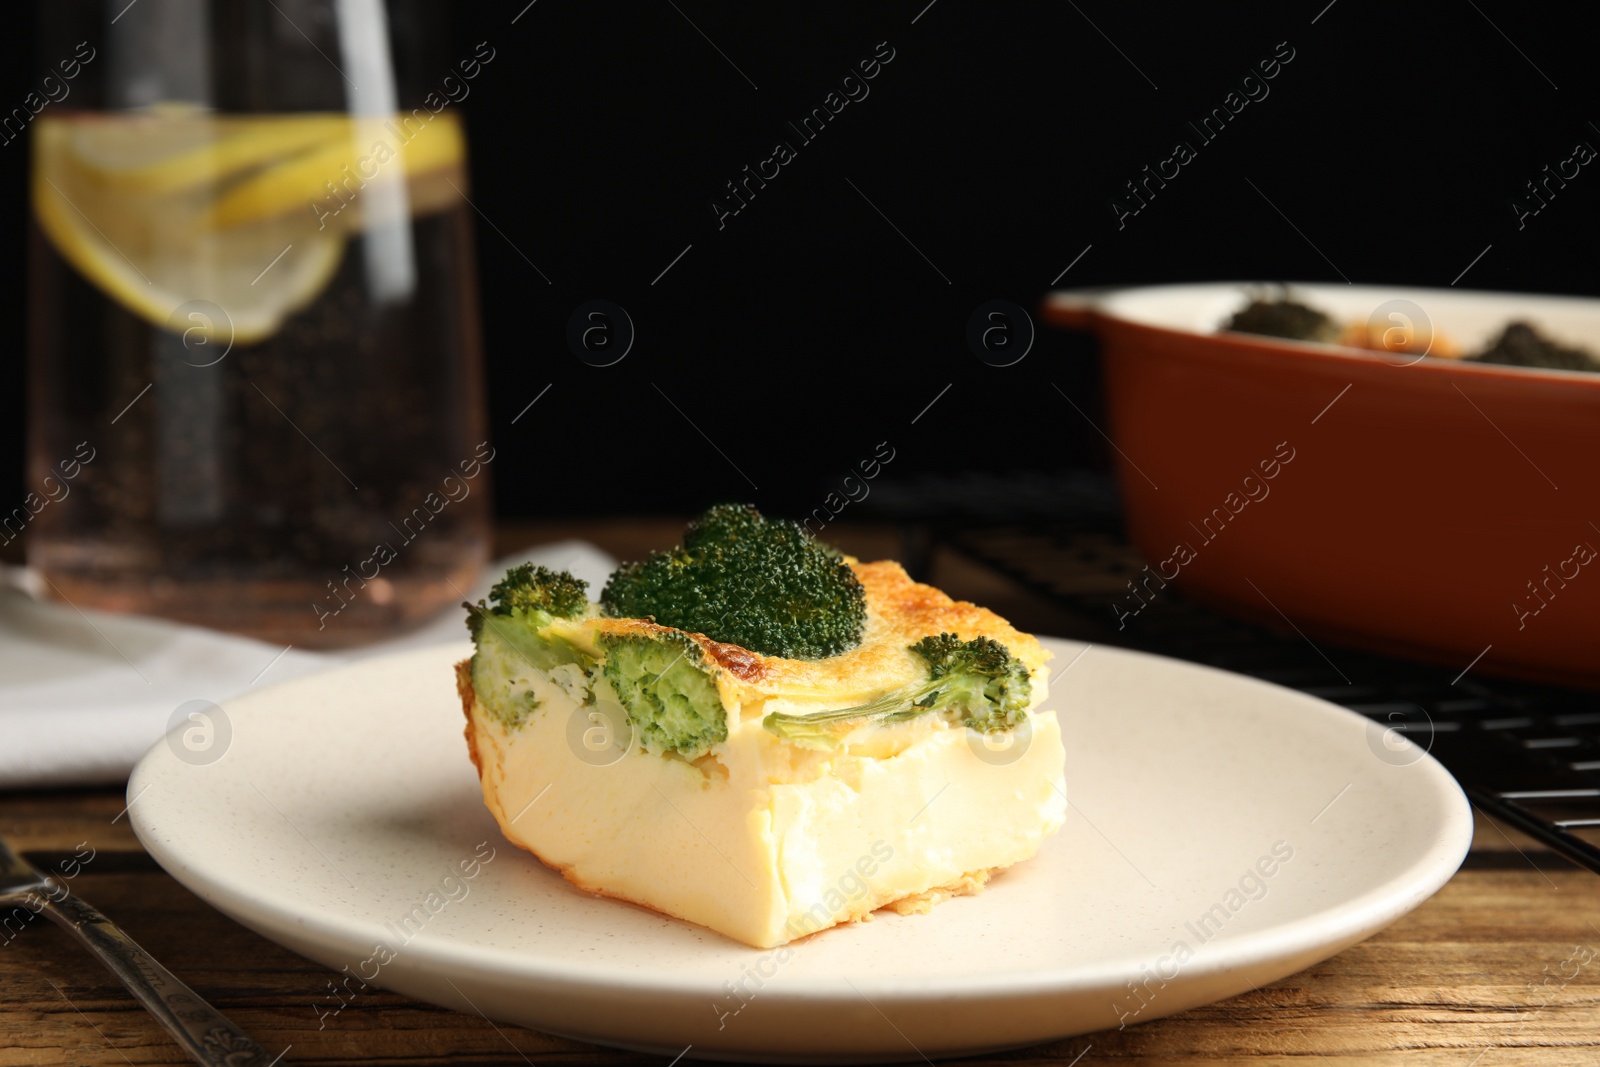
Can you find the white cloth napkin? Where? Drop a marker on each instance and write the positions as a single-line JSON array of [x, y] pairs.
[[83, 694]]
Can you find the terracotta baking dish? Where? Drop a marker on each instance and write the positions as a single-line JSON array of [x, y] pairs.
[[1418, 507]]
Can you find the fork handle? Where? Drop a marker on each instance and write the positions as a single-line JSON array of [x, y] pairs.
[[205, 1033]]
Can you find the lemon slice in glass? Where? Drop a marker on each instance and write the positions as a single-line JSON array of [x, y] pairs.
[[333, 174], [170, 148], [170, 206]]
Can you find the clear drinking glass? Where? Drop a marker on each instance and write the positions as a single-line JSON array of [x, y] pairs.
[[255, 370]]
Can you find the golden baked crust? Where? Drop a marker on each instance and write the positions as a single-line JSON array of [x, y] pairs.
[[968, 885], [900, 612], [469, 697]]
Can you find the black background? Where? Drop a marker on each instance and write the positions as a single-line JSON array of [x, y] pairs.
[[809, 328]]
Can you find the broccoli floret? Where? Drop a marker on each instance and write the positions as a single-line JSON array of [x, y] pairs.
[[977, 683], [746, 580], [1520, 345], [532, 597], [526, 590], [513, 637], [663, 681], [1285, 318]]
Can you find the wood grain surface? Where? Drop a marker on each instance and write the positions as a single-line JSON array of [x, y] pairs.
[[1502, 967]]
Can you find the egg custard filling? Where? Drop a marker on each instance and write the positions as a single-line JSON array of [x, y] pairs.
[[897, 755]]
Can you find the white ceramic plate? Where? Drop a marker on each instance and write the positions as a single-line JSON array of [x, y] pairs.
[[1224, 833]]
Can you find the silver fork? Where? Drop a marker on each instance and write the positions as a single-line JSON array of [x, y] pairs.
[[205, 1033]]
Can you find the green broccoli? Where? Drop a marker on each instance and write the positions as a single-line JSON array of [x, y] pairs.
[[513, 637], [1284, 318], [977, 683], [663, 681], [746, 580], [527, 590]]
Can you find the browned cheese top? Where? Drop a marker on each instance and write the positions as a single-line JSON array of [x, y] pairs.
[[900, 612]]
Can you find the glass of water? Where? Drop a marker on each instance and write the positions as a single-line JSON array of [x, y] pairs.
[[256, 383]]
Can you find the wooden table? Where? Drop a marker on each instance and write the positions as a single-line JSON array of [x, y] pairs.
[[1488, 973]]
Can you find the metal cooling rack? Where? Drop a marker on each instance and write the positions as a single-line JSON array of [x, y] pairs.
[[1528, 755]]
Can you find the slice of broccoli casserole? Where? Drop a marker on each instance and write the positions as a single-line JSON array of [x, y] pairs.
[[754, 733]]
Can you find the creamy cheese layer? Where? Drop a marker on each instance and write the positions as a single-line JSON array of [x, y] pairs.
[[761, 840]]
